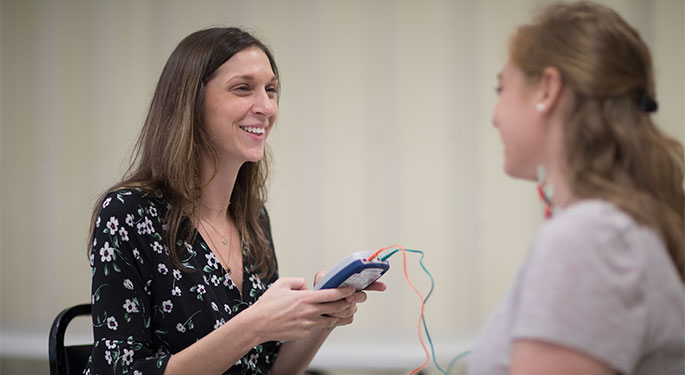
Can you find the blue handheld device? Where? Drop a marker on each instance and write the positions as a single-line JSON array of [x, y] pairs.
[[355, 270]]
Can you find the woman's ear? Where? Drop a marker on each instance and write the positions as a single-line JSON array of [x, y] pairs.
[[551, 87]]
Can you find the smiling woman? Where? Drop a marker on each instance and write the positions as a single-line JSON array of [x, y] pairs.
[[184, 269]]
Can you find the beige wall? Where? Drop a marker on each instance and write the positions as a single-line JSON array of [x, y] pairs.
[[384, 137]]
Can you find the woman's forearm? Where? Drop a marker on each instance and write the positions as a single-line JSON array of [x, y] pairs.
[[219, 350], [295, 355], [285, 311]]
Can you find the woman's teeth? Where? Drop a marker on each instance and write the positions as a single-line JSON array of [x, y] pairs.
[[254, 130]]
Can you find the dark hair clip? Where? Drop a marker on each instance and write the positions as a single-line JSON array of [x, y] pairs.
[[647, 104]]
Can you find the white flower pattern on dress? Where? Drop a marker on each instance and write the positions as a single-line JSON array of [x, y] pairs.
[[130, 306], [228, 283], [142, 228], [127, 357], [157, 247], [113, 224], [129, 220], [219, 323], [112, 323], [256, 282], [148, 226], [123, 234], [215, 280], [167, 306], [211, 260], [106, 253]]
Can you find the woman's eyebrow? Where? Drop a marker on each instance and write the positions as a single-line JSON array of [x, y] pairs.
[[250, 77]]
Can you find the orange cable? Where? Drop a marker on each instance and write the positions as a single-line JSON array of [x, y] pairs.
[[381, 250], [423, 345], [423, 302]]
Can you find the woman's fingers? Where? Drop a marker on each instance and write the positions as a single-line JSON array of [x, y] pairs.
[[346, 313], [330, 295], [332, 308], [328, 321], [318, 276], [358, 297], [377, 286]]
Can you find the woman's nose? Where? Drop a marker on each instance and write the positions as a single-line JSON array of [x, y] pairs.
[[264, 104]]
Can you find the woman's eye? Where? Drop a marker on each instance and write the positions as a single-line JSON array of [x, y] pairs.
[[242, 88], [272, 91], [498, 89]]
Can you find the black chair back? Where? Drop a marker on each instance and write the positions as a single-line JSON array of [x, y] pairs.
[[67, 360]]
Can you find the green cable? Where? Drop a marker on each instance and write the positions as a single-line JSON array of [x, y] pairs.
[[423, 319]]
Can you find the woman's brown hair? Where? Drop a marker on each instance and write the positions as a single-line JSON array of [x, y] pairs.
[[613, 149], [166, 157]]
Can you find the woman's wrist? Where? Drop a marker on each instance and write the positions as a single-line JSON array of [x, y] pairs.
[[322, 331], [256, 329]]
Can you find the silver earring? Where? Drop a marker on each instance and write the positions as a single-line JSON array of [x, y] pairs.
[[540, 107]]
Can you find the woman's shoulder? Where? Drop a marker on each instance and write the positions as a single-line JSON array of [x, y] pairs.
[[594, 220], [593, 212], [129, 200], [597, 232]]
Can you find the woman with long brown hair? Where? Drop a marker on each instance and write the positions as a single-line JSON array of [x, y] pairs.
[[601, 289], [185, 276]]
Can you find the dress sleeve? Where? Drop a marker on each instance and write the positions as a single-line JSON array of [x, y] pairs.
[[126, 228], [581, 289]]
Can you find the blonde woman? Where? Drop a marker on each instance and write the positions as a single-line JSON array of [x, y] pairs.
[[601, 290]]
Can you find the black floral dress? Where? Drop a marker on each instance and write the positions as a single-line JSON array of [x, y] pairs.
[[144, 308]]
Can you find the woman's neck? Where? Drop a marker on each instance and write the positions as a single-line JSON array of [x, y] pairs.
[[217, 188], [563, 196], [556, 166]]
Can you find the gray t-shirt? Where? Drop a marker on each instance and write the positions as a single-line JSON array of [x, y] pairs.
[[598, 283]]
